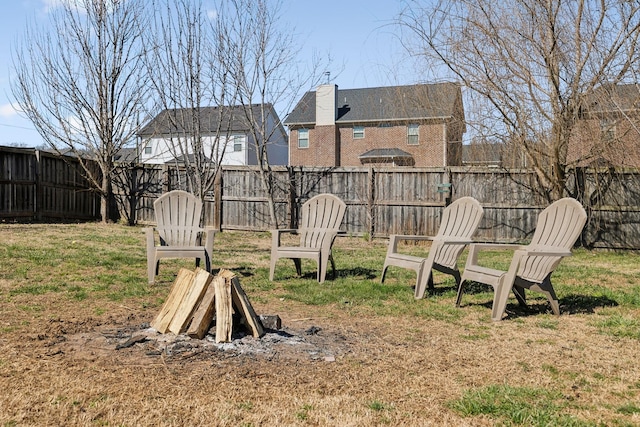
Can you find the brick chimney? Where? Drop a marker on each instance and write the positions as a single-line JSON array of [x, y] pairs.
[[327, 136]]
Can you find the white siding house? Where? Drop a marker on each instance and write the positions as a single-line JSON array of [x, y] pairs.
[[224, 132]]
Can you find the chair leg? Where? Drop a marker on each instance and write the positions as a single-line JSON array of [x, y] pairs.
[[322, 269], [500, 297], [456, 277], [555, 305], [460, 290], [298, 264], [333, 267], [430, 284], [384, 273], [519, 292], [421, 281], [152, 269], [273, 267], [207, 261], [547, 288]]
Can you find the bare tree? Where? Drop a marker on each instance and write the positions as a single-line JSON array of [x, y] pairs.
[[81, 82], [262, 59], [192, 88], [532, 64]]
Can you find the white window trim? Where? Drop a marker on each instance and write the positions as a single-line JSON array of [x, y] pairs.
[[303, 139], [409, 134], [354, 132], [241, 143]]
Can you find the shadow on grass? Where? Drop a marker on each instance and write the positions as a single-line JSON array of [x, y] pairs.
[[366, 273], [571, 304], [576, 304], [360, 272], [439, 289], [245, 271]]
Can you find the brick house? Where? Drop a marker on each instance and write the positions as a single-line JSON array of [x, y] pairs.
[[608, 131], [417, 125], [225, 132]]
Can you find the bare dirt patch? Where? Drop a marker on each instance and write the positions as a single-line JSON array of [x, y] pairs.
[[141, 341]]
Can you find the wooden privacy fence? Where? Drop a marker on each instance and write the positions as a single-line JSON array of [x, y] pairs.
[[384, 201], [41, 186]]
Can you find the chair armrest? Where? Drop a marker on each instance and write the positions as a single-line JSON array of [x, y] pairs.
[[399, 237], [283, 230], [455, 241], [276, 233], [497, 246], [394, 239], [546, 251], [475, 248]]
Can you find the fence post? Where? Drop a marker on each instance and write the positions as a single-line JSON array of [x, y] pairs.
[[217, 199], [371, 202], [293, 197], [37, 209], [580, 192], [165, 179]]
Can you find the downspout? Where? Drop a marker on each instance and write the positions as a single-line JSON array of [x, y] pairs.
[[289, 147], [444, 144]]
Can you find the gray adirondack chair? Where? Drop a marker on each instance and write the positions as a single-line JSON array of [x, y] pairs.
[[177, 216], [321, 217], [557, 229], [459, 222]]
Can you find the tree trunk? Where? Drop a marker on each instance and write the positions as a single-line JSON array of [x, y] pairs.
[[266, 176], [106, 194]]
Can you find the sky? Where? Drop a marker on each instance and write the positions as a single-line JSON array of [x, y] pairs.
[[357, 34]]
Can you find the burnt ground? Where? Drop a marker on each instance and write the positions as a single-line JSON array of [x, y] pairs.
[[142, 341]]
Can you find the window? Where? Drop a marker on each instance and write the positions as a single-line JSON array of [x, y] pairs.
[[303, 138], [413, 134], [608, 130], [148, 149], [238, 142], [358, 132]]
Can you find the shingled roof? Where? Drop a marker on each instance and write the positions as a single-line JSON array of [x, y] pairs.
[[613, 98], [179, 120], [381, 104]]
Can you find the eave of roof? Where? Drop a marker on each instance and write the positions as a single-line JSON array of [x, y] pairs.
[[385, 153]]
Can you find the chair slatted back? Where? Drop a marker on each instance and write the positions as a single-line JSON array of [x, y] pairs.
[[558, 227], [320, 214], [178, 218], [460, 219]]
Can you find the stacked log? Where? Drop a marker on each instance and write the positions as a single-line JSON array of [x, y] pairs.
[[197, 298]]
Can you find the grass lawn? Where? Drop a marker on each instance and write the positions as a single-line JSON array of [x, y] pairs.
[[401, 362]]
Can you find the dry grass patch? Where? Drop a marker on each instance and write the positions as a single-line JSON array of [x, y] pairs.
[[66, 290]]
